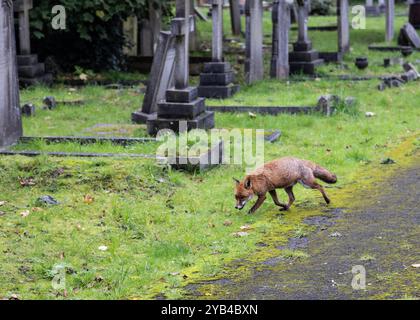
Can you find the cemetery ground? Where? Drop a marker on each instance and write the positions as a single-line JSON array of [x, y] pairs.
[[127, 228]]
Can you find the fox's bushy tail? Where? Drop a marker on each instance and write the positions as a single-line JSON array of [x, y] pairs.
[[324, 175]]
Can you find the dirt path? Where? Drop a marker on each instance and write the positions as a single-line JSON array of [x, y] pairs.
[[383, 236]]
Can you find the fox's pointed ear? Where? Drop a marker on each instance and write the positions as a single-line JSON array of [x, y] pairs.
[[248, 183], [236, 181]]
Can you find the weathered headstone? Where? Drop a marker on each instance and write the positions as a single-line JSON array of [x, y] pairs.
[[217, 79], [182, 102], [303, 59], [390, 15], [343, 26], [10, 117], [160, 79], [414, 14], [281, 26], [254, 66], [409, 36], [30, 71], [235, 17]]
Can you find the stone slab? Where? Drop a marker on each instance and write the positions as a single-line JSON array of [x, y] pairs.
[[182, 96], [305, 67], [209, 79], [31, 71], [304, 56], [203, 121], [171, 110], [217, 92], [27, 60], [217, 67]]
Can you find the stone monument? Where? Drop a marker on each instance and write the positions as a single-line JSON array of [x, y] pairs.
[[29, 69], [414, 14], [181, 103], [280, 48], [10, 117], [303, 59], [389, 16], [160, 79], [254, 66], [217, 79], [235, 17]]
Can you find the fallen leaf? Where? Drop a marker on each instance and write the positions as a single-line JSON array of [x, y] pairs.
[[174, 273], [37, 209], [416, 265], [88, 199], [2, 203], [2, 213], [246, 227], [227, 223], [252, 115], [240, 234], [27, 182], [25, 213], [14, 297], [83, 77], [370, 114], [102, 248]]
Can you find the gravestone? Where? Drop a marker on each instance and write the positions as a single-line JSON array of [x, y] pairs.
[[371, 9], [29, 69], [10, 117], [160, 79], [390, 15], [181, 103], [408, 36], [254, 66], [149, 30], [280, 47], [414, 14], [343, 26], [217, 79], [303, 59], [235, 17]]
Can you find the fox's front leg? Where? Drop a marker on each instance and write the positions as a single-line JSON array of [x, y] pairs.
[[260, 201]]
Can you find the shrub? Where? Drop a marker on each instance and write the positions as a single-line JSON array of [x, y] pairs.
[[93, 37], [322, 7]]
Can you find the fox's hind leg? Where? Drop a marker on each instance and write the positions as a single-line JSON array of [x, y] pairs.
[[289, 191], [311, 183], [273, 195]]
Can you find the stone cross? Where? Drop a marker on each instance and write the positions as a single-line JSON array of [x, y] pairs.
[[281, 26], [10, 118], [343, 26], [217, 35], [254, 67], [180, 28], [22, 8], [235, 17], [390, 14]]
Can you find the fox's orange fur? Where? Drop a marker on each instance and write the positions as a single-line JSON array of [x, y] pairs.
[[283, 173]]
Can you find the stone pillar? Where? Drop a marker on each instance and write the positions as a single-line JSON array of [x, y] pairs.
[[343, 26], [371, 9], [303, 59], [149, 30], [217, 79], [254, 66], [235, 17], [280, 47], [10, 118], [182, 103], [390, 15], [194, 43]]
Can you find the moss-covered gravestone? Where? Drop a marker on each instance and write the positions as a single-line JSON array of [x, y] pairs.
[[10, 118]]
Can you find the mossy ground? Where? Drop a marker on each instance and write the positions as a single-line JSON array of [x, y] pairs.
[[164, 228]]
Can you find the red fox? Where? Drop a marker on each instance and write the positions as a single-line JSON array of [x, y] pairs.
[[283, 173]]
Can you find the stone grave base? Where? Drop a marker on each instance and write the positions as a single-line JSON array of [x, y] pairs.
[[304, 59], [331, 56], [142, 117], [217, 81], [32, 72], [181, 105], [373, 11]]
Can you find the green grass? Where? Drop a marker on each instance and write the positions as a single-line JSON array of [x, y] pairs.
[[163, 227]]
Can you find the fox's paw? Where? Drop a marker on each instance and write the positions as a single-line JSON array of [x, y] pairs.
[[286, 208]]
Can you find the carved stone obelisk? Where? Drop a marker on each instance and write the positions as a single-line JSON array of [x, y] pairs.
[[10, 118]]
